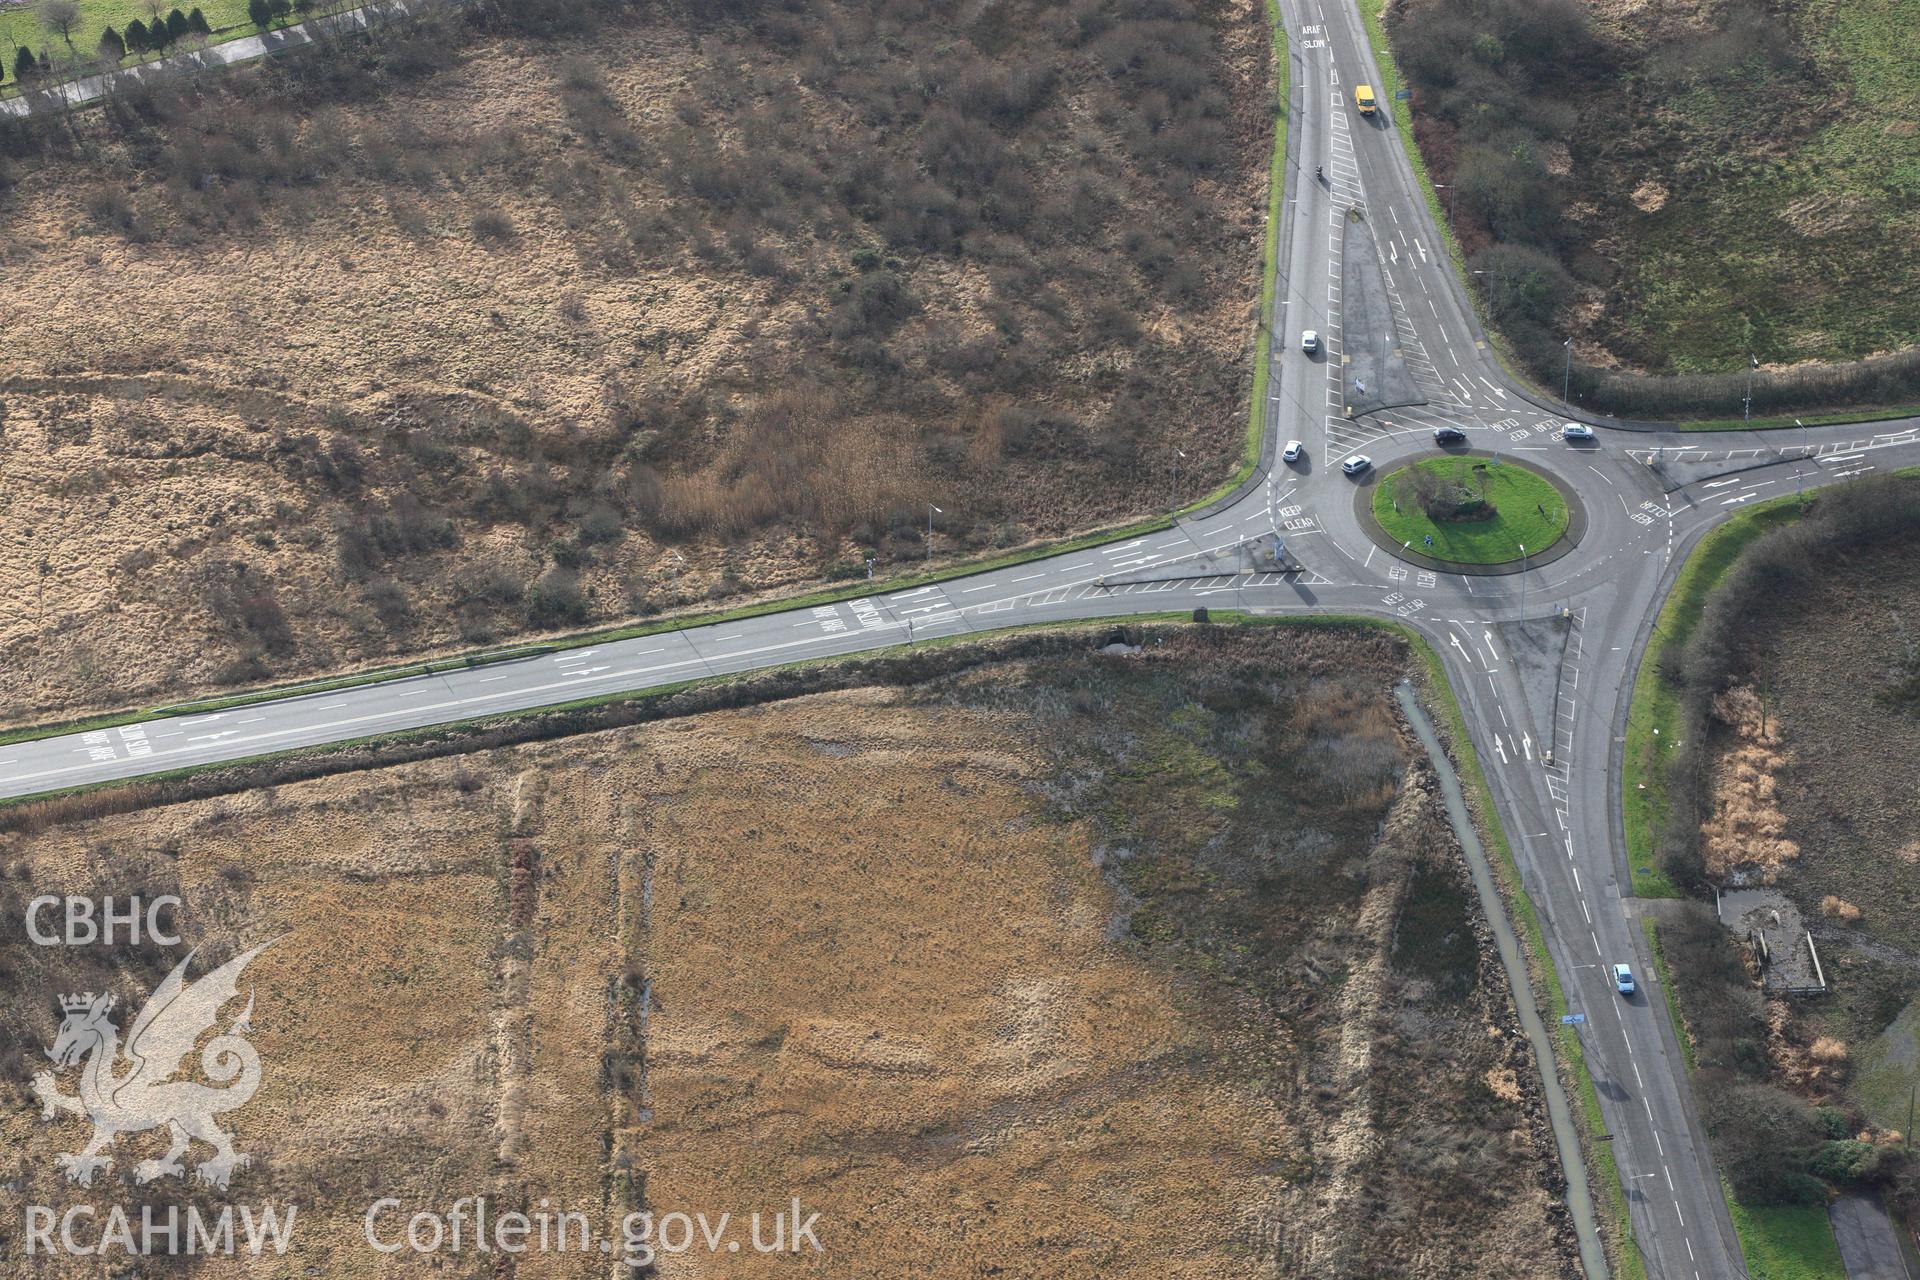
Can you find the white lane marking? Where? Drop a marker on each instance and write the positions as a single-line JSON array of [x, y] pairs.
[[1030, 577]]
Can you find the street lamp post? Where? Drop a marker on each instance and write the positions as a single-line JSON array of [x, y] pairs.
[[1566, 378], [1523, 582], [1177, 455], [1447, 187], [931, 509], [1746, 413], [1493, 302]]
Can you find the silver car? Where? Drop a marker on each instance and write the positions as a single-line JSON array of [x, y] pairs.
[[1356, 464], [1576, 431]]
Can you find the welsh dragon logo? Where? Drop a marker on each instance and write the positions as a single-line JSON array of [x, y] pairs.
[[144, 1095]]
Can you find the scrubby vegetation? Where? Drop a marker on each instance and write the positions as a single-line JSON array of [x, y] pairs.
[[533, 313], [1681, 187], [1763, 782]]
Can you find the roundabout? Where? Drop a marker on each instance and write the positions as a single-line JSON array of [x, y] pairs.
[[1470, 512]]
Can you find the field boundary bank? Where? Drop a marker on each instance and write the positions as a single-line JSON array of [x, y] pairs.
[[1513, 960], [901, 665], [1603, 1171]]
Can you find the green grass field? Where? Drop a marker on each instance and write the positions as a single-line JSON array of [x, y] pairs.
[[21, 26], [1795, 248], [1787, 1242], [1530, 512]]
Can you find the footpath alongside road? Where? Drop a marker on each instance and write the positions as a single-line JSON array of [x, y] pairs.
[[1869, 1242]]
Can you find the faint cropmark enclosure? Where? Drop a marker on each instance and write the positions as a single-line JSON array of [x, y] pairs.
[[131, 1089]]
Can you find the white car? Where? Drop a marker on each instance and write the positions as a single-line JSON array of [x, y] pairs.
[[1309, 342], [1576, 431], [1356, 464], [1293, 452]]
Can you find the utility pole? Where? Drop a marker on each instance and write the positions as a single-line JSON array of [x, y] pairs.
[[931, 509]]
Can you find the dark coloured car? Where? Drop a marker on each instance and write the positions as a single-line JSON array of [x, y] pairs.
[[1448, 435]]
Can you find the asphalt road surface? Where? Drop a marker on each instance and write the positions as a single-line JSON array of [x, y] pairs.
[[1648, 498]]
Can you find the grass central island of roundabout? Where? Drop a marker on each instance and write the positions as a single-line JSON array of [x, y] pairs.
[[1476, 510]]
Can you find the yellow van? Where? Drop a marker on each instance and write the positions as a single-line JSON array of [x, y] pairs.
[[1363, 98]]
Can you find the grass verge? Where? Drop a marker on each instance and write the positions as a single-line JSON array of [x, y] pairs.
[[1786, 1242], [1269, 259], [1651, 927], [1653, 714], [1804, 420]]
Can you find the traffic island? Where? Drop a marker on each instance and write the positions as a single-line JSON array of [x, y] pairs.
[[1471, 512]]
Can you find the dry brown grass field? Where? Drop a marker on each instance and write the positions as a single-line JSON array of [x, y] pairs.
[[527, 333], [1152, 965]]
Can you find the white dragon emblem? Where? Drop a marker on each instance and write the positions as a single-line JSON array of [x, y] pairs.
[[146, 1097]]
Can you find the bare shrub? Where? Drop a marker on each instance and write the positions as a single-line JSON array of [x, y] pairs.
[[492, 226], [556, 599], [1835, 907]]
